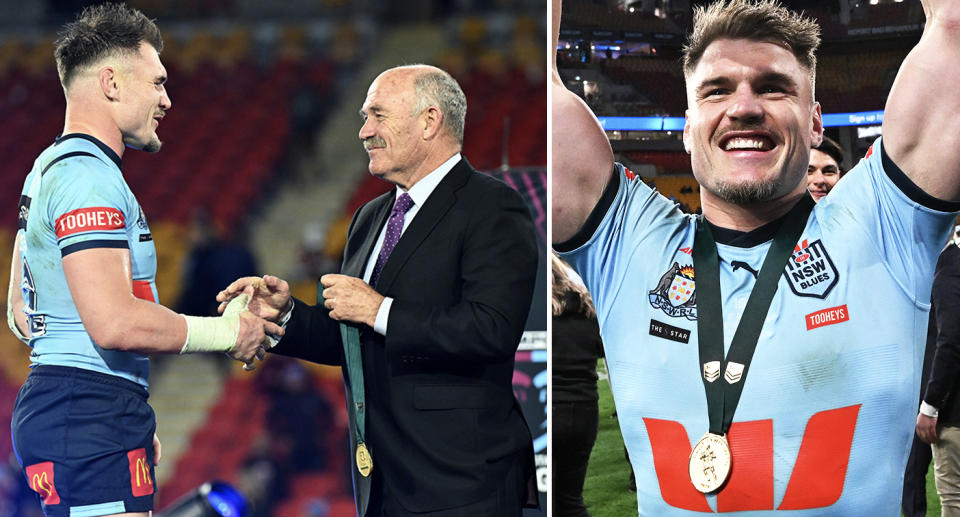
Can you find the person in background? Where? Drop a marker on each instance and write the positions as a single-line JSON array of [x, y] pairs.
[[938, 421], [576, 346], [825, 169]]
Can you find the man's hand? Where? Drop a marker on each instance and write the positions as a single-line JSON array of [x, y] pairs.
[[270, 299], [252, 330], [252, 338], [926, 428], [350, 299]]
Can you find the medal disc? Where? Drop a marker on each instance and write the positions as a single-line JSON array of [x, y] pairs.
[[710, 463], [364, 460]]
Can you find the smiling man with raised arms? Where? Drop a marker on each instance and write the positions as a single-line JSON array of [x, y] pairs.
[[791, 383]]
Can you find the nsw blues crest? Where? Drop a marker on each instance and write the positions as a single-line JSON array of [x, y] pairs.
[[675, 294], [810, 271]]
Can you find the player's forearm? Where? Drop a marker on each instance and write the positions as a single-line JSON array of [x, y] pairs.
[[136, 325], [19, 317], [16, 318]]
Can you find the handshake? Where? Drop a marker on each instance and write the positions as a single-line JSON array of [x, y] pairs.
[[253, 308]]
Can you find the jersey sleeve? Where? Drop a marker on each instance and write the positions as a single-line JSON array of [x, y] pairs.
[[87, 205], [907, 226], [629, 215]]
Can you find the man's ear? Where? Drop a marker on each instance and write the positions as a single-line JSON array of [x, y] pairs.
[[816, 126], [108, 79], [432, 122]]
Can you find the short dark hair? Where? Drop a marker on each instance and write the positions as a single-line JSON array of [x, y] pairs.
[[832, 149], [756, 20], [99, 31]]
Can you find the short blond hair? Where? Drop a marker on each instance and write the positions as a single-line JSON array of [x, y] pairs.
[[756, 20]]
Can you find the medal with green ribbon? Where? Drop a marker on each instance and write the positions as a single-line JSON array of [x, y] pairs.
[[711, 460], [350, 336]]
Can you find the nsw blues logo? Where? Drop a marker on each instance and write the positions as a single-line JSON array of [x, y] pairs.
[[809, 271], [675, 294]]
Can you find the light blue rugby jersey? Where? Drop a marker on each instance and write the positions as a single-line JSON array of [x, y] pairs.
[[825, 422], [80, 202]]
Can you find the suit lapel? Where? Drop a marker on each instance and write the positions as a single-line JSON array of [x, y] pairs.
[[428, 216], [369, 230]]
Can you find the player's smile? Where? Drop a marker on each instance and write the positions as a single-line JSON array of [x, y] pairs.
[[747, 144], [818, 193]]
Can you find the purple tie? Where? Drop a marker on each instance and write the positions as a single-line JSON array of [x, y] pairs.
[[394, 227]]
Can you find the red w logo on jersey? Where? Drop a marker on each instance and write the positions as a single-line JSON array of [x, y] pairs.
[[816, 481]]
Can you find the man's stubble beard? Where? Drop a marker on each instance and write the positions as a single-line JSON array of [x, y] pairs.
[[748, 192], [153, 145]]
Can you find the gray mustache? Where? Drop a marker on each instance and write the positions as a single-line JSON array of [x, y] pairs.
[[372, 142]]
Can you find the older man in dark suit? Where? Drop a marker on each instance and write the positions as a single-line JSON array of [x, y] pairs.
[[437, 280]]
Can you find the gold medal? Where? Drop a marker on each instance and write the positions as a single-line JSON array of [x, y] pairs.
[[364, 460], [710, 463]]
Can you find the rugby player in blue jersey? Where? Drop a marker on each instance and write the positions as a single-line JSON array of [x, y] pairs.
[[823, 305], [82, 291]]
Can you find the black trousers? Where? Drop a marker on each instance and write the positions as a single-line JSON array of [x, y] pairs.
[[915, 480], [574, 433]]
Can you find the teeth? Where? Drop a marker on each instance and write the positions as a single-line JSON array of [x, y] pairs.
[[745, 143]]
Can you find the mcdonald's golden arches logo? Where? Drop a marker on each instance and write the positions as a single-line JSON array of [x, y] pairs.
[[141, 483], [40, 477]]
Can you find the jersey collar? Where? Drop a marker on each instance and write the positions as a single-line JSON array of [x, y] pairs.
[[103, 147]]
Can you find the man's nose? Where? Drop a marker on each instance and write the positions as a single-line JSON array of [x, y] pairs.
[[745, 105], [165, 102], [366, 130]]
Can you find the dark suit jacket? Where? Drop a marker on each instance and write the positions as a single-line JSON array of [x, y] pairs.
[[942, 387], [442, 424]]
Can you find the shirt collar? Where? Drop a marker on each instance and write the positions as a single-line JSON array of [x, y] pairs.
[[421, 190], [103, 147]]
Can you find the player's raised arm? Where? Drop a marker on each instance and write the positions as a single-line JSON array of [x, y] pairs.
[[921, 126], [582, 158]]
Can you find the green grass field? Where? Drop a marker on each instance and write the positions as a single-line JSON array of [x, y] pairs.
[[606, 491]]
